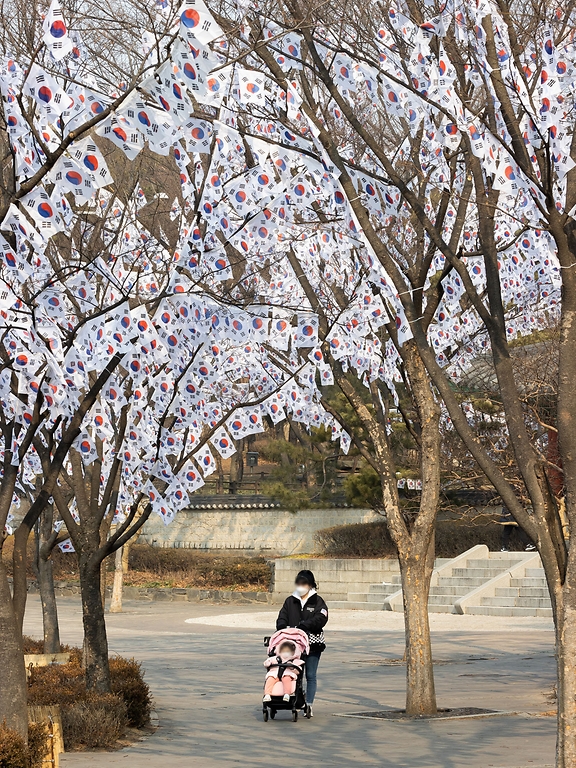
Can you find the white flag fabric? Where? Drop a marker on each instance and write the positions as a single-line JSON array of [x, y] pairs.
[[223, 443], [56, 33]]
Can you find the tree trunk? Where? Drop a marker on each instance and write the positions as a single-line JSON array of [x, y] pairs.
[[566, 663], [420, 692], [237, 467], [116, 602], [126, 554], [13, 704], [103, 581], [220, 471], [45, 540], [49, 607], [95, 639]]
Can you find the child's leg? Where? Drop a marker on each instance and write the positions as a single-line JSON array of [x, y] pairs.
[[288, 683], [269, 685]]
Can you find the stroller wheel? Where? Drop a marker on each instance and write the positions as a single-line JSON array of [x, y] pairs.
[[272, 714], [265, 714], [294, 716]]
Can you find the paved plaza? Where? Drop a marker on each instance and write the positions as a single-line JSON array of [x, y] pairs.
[[204, 665]]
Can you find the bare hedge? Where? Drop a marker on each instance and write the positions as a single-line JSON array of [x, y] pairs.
[[373, 540]]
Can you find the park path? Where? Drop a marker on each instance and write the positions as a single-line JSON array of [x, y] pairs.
[[207, 679]]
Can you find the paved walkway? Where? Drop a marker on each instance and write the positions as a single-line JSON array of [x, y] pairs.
[[206, 676]]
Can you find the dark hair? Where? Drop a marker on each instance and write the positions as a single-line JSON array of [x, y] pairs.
[[306, 577]]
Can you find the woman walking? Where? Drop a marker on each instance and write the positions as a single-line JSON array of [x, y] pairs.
[[306, 610]]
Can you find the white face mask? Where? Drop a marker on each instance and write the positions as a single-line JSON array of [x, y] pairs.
[[302, 590]]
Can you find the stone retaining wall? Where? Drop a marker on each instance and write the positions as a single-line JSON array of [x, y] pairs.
[[335, 576], [268, 531], [71, 589]]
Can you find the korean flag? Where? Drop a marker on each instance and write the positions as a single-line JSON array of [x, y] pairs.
[[223, 443]]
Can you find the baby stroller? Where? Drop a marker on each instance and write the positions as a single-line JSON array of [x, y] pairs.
[[299, 640]]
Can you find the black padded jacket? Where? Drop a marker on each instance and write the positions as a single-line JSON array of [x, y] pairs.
[[311, 618]]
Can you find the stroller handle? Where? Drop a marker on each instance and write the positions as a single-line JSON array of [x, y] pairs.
[[267, 641]]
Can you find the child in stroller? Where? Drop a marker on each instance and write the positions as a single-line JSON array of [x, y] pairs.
[[283, 684]]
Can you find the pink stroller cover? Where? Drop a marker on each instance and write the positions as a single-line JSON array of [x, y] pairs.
[[296, 636]]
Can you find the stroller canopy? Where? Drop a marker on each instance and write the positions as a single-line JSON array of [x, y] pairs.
[[296, 636]]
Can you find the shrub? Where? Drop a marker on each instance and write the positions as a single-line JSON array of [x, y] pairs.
[[188, 568], [364, 489], [91, 719], [61, 684], [356, 540], [13, 750], [373, 540], [33, 646], [96, 721], [128, 683], [456, 536], [288, 498], [38, 746], [15, 754]]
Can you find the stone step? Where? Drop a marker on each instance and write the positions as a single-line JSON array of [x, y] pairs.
[[520, 602], [526, 596], [441, 608], [494, 610], [502, 564], [522, 592], [383, 589], [355, 597], [535, 573], [528, 582], [467, 582], [441, 600], [445, 589], [379, 598], [536, 602], [350, 605], [483, 573]]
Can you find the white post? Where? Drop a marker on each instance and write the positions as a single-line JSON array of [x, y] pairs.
[[116, 602]]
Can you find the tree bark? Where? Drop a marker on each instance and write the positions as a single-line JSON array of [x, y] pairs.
[[565, 600], [49, 607], [116, 602], [13, 706], [420, 691], [45, 540], [95, 640]]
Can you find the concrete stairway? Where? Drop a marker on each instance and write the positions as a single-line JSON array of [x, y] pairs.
[[478, 581], [461, 579], [521, 594]]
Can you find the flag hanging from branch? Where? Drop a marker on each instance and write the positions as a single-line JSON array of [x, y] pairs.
[[56, 33], [223, 443]]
